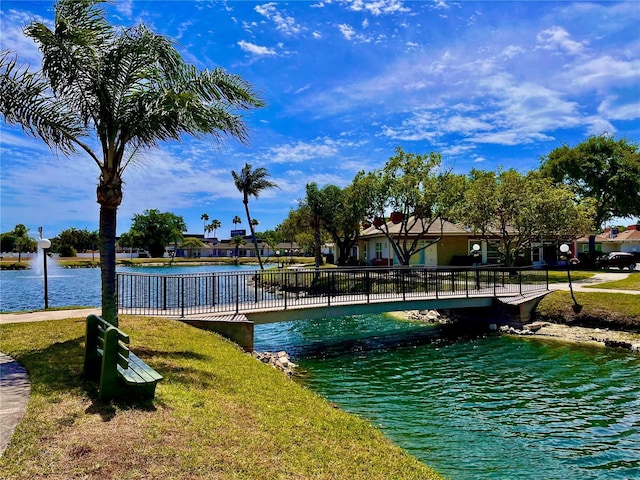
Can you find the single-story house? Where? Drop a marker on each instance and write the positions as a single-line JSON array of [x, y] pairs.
[[454, 248]]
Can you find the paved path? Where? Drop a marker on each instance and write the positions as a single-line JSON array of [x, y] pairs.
[[586, 284], [14, 381]]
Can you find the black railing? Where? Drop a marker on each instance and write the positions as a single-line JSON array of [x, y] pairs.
[[278, 289]]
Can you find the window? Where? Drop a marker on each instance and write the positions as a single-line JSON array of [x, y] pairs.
[[379, 250]]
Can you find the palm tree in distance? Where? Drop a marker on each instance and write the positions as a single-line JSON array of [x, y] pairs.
[[251, 183], [112, 93], [236, 220], [204, 217], [215, 225]]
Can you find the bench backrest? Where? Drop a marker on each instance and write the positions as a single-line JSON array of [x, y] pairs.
[[104, 340]]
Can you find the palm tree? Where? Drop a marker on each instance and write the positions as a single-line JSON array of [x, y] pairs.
[[112, 93], [204, 217], [236, 220], [215, 225], [251, 183], [237, 241]]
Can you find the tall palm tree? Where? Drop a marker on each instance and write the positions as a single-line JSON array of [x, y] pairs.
[[204, 217], [251, 183], [111, 93], [215, 225], [236, 220]]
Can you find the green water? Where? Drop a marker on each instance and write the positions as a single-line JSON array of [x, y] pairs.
[[488, 408]]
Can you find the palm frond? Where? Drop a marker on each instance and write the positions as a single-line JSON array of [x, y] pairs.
[[25, 100]]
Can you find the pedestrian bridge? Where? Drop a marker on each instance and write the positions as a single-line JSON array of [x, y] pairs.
[[275, 295]]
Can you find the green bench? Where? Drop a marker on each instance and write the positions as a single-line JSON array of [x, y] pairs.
[[119, 372]]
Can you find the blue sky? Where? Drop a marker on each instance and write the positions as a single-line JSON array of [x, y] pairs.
[[486, 84]]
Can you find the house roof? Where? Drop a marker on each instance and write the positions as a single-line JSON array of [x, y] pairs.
[[630, 235], [448, 228]]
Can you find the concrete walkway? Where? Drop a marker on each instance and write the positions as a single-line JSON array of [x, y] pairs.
[[14, 381]]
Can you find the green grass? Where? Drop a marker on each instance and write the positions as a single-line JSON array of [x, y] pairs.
[[618, 311], [632, 282], [218, 413], [560, 276]]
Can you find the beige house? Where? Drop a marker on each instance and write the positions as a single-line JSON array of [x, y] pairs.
[[613, 241], [454, 248]]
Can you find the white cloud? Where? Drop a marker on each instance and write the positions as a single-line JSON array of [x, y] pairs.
[[125, 7], [612, 108], [256, 49], [301, 152], [604, 71], [557, 38], [286, 24], [378, 7], [14, 39], [347, 31]]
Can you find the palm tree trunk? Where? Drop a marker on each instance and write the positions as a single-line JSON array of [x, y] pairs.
[[253, 234], [109, 196], [108, 263]]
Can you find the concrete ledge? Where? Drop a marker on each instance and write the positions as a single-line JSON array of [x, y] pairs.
[[233, 327]]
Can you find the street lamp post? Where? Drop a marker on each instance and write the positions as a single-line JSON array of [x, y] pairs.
[[564, 248], [475, 252], [44, 244], [278, 258]]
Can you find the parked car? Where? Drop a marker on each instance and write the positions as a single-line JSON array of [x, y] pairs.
[[617, 259]]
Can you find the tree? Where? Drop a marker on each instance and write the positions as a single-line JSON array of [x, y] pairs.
[[112, 92], [236, 221], [251, 183], [72, 240], [314, 204], [190, 244], [21, 239], [340, 213], [214, 226], [153, 231], [237, 241], [204, 217], [410, 187], [511, 210], [601, 168]]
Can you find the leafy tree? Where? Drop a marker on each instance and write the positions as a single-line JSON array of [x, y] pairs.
[[7, 241], [341, 213], [205, 218], [315, 206], [22, 242], [602, 168], [72, 240], [153, 231], [409, 185], [112, 92], [190, 244], [511, 210], [251, 183]]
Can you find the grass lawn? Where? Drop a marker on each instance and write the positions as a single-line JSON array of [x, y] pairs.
[[218, 413], [599, 309], [632, 282]]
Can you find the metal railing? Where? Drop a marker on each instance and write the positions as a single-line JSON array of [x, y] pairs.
[[280, 289]]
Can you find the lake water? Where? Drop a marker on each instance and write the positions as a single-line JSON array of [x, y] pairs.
[[22, 290], [487, 408]]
